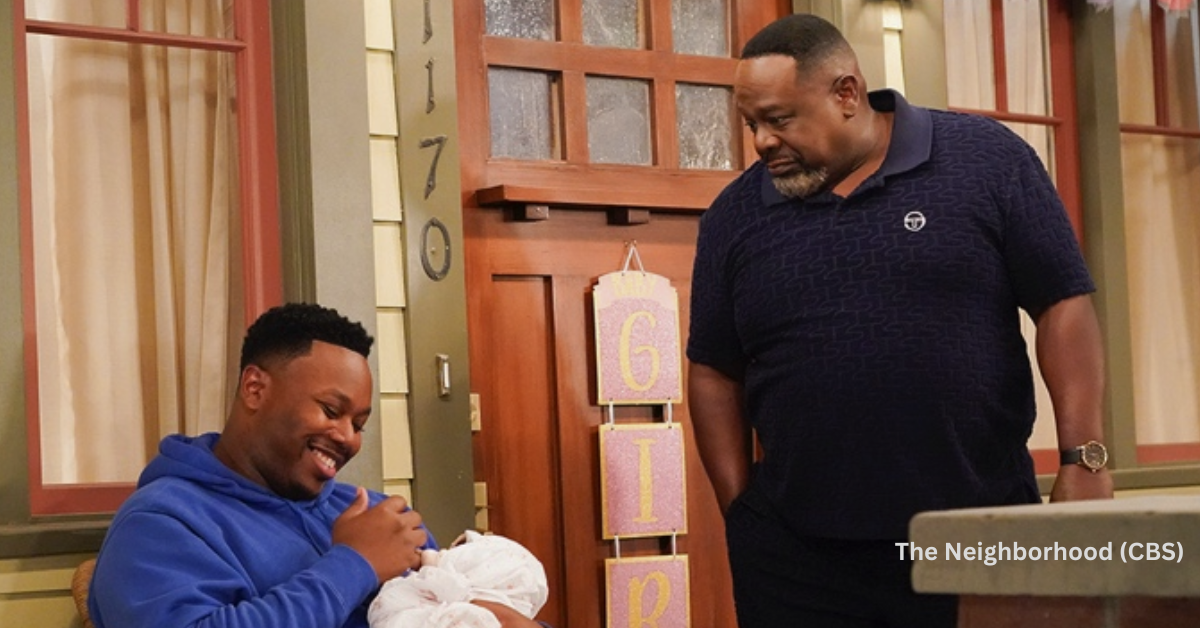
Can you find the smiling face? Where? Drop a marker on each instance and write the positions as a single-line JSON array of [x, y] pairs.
[[304, 421], [798, 121]]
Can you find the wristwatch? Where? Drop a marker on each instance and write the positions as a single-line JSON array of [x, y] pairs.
[[1092, 455]]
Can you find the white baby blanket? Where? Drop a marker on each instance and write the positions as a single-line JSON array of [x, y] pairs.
[[489, 567]]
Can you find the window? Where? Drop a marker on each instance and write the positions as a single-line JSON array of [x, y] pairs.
[[149, 230], [605, 95], [1012, 60], [1157, 67]]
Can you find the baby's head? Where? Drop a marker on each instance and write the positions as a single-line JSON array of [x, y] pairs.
[[431, 557]]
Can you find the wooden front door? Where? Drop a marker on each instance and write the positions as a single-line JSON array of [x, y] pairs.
[[595, 127], [533, 365]]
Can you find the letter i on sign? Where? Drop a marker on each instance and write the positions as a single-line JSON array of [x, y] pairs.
[[642, 480]]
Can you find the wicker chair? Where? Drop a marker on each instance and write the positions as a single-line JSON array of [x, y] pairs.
[[79, 589]]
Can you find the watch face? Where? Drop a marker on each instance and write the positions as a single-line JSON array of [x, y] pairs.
[[1094, 455]]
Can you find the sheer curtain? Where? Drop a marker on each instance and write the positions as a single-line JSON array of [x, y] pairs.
[[135, 242], [971, 85], [1162, 225], [970, 82]]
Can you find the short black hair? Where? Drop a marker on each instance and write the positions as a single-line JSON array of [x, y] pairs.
[[288, 331], [808, 39]]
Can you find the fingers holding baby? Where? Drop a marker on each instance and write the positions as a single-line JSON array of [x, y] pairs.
[[388, 535]]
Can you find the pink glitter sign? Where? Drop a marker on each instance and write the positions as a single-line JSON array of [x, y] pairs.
[[637, 339], [650, 592], [642, 480]]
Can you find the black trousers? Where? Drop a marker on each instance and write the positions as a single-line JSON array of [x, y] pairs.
[[781, 580]]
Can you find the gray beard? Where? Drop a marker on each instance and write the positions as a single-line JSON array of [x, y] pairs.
[[802, 184]]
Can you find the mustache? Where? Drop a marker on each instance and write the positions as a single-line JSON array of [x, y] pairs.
[[778, 153]]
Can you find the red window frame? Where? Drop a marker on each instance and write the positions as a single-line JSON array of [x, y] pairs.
[[262, 276]]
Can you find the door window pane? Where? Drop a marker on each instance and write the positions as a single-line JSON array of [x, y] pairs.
[[522, 19], [614, 23], [523, 120], [700, 27], [618, 120], [704, 117]]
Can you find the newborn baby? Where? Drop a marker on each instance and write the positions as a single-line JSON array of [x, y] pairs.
[[477, 567]]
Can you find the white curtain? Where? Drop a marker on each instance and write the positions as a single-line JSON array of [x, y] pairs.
[[969, 77], [135, 237], [971, 85], [1162, 226]]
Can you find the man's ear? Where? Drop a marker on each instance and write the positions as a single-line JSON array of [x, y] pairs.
[[848, 90], [252, 387]]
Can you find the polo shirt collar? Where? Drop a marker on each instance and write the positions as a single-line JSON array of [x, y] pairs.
[[910, 146]]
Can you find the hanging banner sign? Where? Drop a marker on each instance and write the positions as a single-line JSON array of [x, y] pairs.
[[642, 480], [648, 591], [637, 339]]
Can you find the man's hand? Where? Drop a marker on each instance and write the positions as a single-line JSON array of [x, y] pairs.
[[508, 617], [388, 535], [1075, 483]]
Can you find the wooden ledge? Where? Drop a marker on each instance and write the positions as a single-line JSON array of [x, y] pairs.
[[623, 206], [662, 198]]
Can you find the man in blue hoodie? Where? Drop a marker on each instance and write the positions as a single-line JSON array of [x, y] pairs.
[[247, 527]]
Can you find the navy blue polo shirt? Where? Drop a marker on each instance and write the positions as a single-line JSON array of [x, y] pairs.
[[878, 335]]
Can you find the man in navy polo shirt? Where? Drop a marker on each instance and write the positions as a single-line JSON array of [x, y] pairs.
[[855, 302]]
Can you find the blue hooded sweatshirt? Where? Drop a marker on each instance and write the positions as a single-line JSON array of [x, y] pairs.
[[198, 545]]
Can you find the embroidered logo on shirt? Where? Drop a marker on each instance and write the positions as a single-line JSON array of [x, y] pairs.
[[914, 221]]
